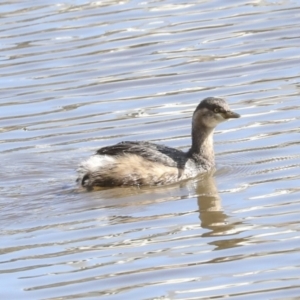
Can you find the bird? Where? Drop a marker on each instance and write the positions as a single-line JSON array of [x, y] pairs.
[[141, 163]]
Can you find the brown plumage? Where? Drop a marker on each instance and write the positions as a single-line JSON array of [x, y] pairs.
[[144, 163]]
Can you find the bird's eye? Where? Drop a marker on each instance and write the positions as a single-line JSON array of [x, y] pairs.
[[216, 110]]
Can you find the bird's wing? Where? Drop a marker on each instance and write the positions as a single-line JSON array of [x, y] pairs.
[[153, 152]]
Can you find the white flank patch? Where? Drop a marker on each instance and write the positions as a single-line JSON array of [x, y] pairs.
[[94, 164]]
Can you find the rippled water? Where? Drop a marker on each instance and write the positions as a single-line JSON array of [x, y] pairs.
[[79, 75]]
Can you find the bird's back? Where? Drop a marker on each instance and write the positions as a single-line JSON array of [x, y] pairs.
[[162, 154], [133, 163]]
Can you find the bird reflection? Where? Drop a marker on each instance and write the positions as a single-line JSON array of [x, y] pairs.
[[212, 216]]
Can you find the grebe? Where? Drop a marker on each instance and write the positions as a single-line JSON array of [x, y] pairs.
[[144, 163]]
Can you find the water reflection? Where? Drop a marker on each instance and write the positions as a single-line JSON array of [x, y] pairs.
[[211, 213]]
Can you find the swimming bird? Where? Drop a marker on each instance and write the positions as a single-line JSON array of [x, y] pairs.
[[143, 163]]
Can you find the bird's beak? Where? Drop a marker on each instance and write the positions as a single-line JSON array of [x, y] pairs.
[[230, 115]]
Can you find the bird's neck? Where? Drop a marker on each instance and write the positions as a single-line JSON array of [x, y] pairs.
[[202, 145]]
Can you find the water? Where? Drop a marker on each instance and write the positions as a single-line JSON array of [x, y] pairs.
[[79, 75]]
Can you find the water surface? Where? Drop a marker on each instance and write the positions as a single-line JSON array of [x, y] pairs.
[[79, 75]]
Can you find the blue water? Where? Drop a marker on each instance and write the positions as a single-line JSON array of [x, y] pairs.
[[79, 75]]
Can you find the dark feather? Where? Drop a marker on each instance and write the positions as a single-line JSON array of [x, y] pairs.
[[153, 152]]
